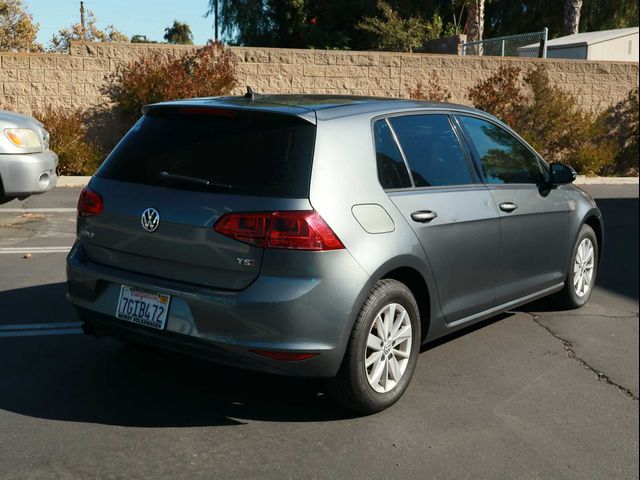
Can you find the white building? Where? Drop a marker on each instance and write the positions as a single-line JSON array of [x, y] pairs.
[[617, 45]]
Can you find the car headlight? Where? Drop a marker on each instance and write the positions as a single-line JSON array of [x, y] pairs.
[[23, 137]]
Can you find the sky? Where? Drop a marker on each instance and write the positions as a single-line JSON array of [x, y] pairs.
[[132, 17]]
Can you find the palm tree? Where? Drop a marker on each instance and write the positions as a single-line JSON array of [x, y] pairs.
[[572, 10], [475, 20]]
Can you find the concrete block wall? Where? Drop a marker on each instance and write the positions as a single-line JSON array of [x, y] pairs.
[[595, 84], [30, 81]]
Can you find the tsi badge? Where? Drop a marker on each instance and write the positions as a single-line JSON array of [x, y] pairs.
[[150, 220], [246, 262], [87, 233]]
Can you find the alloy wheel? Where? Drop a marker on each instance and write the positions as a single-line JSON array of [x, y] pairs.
[[583, 267], [388, 347]]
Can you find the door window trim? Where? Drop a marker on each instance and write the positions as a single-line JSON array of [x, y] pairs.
[[394, 135]]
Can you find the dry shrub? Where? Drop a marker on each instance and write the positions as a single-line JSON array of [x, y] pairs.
[[433, 91], [622, 122], [78, 155], [500, 94], [548, 117], [157, 76]]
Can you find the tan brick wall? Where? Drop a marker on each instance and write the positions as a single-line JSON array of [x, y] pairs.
[[596, 84], [31, 81]]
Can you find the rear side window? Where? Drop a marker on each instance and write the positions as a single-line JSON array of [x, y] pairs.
[[254, 153], [503, 158], [392, 171], [432, 149]]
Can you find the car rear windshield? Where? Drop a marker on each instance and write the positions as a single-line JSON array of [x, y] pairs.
[[237, 152]]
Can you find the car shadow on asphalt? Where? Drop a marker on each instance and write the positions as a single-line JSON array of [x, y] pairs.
[[99, 380], [618, 269], [619, 266]]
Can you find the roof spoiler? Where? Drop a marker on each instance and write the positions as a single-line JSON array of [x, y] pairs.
[[228, 108]]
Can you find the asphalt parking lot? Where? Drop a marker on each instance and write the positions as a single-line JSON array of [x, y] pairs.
[[531, 394]]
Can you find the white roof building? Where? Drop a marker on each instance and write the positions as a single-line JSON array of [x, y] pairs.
[[616, 45]]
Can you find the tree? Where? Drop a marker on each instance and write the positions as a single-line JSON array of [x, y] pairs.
[[263, 22], [572, 10], [89, 32], [475, 20], [178, 33], [599, 15], [325, 24], [509, 17], [399, 34], [330, 23], [17, 30]]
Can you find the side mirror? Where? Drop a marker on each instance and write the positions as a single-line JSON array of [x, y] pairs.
[[561, 174]]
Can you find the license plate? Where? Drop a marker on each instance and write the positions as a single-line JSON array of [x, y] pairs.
[[143, 307]]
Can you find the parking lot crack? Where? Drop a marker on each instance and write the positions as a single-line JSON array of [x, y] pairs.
[[629, 315], [571, 353]]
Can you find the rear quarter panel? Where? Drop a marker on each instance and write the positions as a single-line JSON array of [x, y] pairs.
[[344, 175]]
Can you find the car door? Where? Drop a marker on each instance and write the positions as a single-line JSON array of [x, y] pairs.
[[534, 219], [450, 211]]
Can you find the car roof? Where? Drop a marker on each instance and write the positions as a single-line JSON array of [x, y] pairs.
[[323, 107]]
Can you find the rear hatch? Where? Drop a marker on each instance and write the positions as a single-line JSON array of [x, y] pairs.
[[193, 165]]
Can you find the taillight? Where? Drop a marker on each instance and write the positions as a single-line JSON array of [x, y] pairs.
[[298, 230], [89, 203]]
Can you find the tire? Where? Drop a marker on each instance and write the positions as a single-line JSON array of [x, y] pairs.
[[573, 296], [352, 387]]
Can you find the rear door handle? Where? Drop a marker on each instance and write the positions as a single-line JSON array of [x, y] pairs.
[[508, 207], [423, 216]]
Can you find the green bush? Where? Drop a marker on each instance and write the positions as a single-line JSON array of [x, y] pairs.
[[548, 117], [398, 34], [157, 77], [78, 155]]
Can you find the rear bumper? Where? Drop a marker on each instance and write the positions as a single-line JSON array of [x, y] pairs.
[[167, 340], [286, 314], [28, 173]]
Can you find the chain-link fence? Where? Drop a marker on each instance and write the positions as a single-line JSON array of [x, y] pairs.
[[524, 45]]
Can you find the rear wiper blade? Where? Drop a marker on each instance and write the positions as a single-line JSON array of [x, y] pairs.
[[184, 179]]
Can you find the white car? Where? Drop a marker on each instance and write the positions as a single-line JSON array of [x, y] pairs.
[[27, 166]]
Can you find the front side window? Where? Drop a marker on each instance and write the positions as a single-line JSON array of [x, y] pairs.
[[432, 149], [503, 158], [392, 171]]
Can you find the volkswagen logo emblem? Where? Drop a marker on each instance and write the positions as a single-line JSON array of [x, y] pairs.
[[150, 220]]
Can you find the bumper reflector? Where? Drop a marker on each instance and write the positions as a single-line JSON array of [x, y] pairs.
[[286, 356]]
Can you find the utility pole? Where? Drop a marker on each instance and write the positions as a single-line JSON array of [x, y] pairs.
[[82, 24], [215, 20]]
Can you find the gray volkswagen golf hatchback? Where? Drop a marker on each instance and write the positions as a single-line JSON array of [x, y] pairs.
[[323, 236]]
